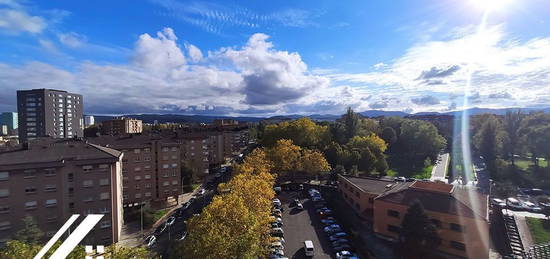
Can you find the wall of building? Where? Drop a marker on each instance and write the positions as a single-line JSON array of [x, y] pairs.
[[474, 234]]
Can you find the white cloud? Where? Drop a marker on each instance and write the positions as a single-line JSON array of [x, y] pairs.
[[158, 54], [194, 52], [499, 64], [17, 21], [72, 39]]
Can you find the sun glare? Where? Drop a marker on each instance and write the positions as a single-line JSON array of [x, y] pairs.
[[491, 5]]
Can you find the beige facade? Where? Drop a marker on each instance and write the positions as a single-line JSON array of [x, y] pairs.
[[52, 180], [121, 126], [460, 215], [151, 168]]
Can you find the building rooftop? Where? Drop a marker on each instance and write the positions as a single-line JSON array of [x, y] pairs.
[[54, 150], [376, 185]]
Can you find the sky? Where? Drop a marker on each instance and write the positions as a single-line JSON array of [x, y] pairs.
[[261, 58]]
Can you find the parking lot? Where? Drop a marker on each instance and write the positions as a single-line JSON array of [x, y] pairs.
[[301, 225]]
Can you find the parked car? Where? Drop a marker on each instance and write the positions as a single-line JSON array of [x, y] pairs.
[[498, 202], [186, 205], [183, 236], [170, 221], [328, 221], [277, 189], [340, 242], [150, 240], [277, 203], [277, 232], [309, 249], [274, 210], [337, 236], [276, 224], [342, 247], [160, 229], [296, 201], [346, 255], [276, 219], [534, 192], [332, 229], [514, 204], [532, 207], [300, 206], [202, 191], [277, 214], [277, 245], [277, 239], [277, 252], [400, 179]]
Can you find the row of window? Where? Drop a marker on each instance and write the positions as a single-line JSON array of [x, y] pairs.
[[454, 244], [90, 183], [436, 222]]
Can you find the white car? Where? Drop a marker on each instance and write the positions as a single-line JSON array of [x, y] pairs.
[[346, 255], [201, 192], [150, 240], [514, 204], [532, 207], [300, 206], [170, 221]]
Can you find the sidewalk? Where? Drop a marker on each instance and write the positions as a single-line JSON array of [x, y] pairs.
[[439, 171]]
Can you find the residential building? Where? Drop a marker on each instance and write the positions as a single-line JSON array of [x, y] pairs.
[[151, 167], [122, 126], [52, 179], [10, 120], [459, 214], [4, 130], [89, 120], [215, 148], [225, 122], [48, 112]]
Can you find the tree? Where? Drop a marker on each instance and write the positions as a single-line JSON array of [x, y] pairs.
[[512, 126], [30, 233], [313, 162], [351, 122], [488, 141], [388, 134], [418, 235], [284, 156], [303, 132], [420, 139]]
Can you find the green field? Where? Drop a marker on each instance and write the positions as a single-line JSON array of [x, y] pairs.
[[540, 230], [524, 164], [425, 173]]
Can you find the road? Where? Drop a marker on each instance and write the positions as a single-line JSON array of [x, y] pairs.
[[301, 225], [440, 169]]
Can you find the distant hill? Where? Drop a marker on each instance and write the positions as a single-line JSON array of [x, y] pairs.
[[177, 118]]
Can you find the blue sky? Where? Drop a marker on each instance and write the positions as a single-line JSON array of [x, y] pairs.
[[277, 57]]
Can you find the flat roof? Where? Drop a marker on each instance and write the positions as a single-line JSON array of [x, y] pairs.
[[376, 185]]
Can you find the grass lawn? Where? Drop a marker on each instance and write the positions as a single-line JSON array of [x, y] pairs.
[[158, 214], [425, 173], [391, 172], [524, 164], [540, 230]]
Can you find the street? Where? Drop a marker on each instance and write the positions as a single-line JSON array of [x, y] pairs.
[[440, 169]]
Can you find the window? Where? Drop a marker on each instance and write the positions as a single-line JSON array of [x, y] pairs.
[[393, 213], [4, 225], [4, 209], [29, 173], [89, 199], [87, 168], [147, 158], [146, 150], [174, 157], [137, 187], [357, 194], [50, 188], [70, 177], [147, 194], [104, 181], [147, 176], [174, 165], [137, 177], [31, 205], [88, 183], [138, 195], [456, 227], [51, 203], [105, 224], [125, 196], [52, 219], [165, 166], [174, 149], [371, 200], [166, 183], [30, 190], [4, 176], [165, 149], [165, 175], [147, 185], [104, 210], [137, 159], [147, 167], [437, 223], [104, 196], [137, 151], [174, 173], [174, 182], [137, 169], [49, 172], [458, 246], [164, 158], [103, 167], [394, 229]]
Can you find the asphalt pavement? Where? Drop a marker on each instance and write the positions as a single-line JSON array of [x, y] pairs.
[[440, 169]]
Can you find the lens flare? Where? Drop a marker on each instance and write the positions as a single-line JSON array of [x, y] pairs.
[[491, 5]]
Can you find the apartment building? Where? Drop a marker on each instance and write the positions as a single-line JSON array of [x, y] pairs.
[[48, 112], [195, 148], [151, 168], [121, 126], [460, 214], [225, 122], [51, 179], [9, 119], [216, 148]]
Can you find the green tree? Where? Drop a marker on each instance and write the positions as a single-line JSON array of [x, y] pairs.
[[30, 233], [488, 141], [313, 162], [418, 235], [351, 122], [512, 126], [420, 139], [388, 134]]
